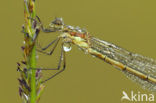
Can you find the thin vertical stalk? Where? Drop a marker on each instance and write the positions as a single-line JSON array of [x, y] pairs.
[[29, 12], [30, 88], [33, 75]]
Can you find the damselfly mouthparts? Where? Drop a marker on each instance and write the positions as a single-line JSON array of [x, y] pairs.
[[137, 67]]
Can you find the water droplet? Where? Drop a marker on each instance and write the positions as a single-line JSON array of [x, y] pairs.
[[37, 56], [26, 96], [67, 47], [23, 42]]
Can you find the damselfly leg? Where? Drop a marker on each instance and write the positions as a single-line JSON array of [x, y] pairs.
[[55, 42], [46, 47], [62, 58]]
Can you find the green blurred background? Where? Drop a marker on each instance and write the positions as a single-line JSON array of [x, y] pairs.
[[131, 24]]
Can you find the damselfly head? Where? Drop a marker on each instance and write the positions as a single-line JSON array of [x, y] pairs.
[[58, 21], [57, 24]]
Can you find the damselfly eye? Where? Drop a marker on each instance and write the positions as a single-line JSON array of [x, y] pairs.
[[67, 47], [58, 21]]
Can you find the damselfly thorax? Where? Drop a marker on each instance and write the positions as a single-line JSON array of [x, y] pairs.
[[136, 67]]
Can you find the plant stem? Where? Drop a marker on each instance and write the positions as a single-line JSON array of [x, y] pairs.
[[33, 75], [31, 87], [31, 55]]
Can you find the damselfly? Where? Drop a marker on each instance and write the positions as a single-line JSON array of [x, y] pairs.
[[136, 67]]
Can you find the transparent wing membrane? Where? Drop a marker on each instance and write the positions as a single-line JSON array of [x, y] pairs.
[[144, 83], [139, 63]]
